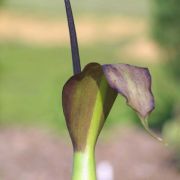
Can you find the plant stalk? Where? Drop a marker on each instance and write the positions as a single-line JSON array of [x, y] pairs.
[[84, 167]]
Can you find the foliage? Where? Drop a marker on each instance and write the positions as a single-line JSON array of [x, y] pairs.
[[167, 23], [1, 2], [166, 31], [171, 132]]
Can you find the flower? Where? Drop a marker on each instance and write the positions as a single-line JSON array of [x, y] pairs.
[[88, 95]]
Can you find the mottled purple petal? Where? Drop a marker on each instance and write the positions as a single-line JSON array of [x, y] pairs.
[[134, 83]]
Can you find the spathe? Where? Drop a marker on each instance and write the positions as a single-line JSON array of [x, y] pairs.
[[81, 96]]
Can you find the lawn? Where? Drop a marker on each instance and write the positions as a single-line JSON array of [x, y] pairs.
[[120, 7], [32, 78]]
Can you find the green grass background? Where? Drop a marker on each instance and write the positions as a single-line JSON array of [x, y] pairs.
[[103, 7], [32, 76]]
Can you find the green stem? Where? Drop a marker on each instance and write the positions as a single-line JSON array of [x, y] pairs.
[[84, 167]]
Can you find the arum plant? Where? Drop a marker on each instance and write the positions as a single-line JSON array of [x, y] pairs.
[[88, 97]]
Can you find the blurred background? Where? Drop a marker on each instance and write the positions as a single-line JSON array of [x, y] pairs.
[[35, 62]]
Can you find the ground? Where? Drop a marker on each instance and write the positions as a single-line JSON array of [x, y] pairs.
[[28, 154]]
